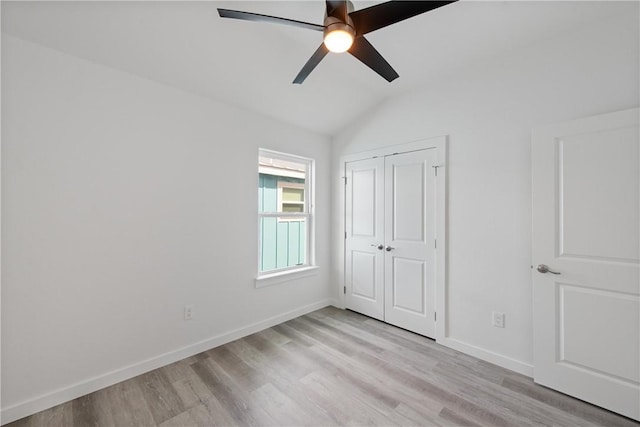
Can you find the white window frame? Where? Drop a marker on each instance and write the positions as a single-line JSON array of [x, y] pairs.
[[309, 267]]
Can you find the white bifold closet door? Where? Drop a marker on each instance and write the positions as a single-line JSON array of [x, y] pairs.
[[390, 239]]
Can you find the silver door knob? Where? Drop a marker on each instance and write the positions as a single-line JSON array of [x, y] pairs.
[[380, 246], [389, 248], [544, 269]]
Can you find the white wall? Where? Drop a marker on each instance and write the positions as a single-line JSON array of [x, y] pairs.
[[122, 201], [488, 111]]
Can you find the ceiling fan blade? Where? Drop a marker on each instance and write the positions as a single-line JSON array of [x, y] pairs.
[[315, 59], [381, 15], [337, 8], [248, 16], [368, 55]]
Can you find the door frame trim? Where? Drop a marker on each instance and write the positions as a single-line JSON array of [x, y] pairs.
[[440, 143]]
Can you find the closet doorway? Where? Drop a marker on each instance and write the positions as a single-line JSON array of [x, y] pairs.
[[391, 237]]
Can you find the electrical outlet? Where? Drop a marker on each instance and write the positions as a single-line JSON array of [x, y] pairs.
[[498, 319], [188, 312]]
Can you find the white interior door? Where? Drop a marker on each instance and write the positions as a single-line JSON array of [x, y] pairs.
[[586, 229], [410, 241], [364, 263]]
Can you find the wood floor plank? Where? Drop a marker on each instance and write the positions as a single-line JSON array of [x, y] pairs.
[[405, 339], [585, 411], [280, 407], [340, 333], [271, 366], [286, 330], [285, 372], [203, 415], [321, 337], [192, 391], [209, 414], [418, 416], [391, 351], [280, 356], [92, 410], [328, 368], [456, 418], [217, 413], [234, 399], [178, 370], [243, 374], [274, 336], [160, 396], [284, 368], [346, 406], [58, 416], [180, 420], [518, 409], [128, 405]]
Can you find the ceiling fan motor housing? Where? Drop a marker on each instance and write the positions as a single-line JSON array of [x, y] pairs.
[[332, 23], [344, 23]]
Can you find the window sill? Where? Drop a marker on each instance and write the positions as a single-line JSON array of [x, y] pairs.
[[285, 276]]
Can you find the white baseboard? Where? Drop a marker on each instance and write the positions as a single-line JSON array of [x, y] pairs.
[[65, 394], [488, 356]]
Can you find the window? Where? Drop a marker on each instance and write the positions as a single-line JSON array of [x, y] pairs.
[[285, 214]]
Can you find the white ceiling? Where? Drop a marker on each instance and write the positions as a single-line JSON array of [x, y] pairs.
[[251, 65]]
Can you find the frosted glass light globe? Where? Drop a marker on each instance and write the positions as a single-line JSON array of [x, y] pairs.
[[338, 41]]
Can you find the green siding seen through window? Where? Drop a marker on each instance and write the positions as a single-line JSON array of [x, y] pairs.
[[283, 240], [283, 243]]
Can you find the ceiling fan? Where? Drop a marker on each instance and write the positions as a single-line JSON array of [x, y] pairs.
[[344, 30]]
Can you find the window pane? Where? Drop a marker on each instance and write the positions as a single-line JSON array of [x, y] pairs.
[[283, 243], [281, 185]]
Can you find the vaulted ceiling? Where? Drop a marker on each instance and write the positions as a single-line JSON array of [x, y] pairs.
[[251, 65]]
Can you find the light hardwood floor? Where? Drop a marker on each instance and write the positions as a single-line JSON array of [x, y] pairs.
[[330, 367]]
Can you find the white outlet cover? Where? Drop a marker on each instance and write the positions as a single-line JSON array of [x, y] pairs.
[[498, 319], [188, 312]]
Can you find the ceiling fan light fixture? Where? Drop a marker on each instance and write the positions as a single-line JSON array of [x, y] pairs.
[[338, 37], [339, 27]]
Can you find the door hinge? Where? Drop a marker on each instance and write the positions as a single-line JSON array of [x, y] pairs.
[[435, 316], [345, 234], [345, 180], [435, 169], [344, 290], [435, 244]]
